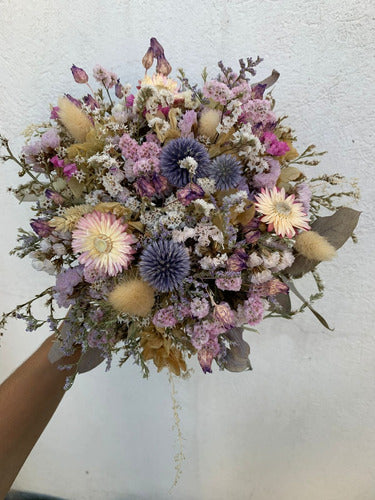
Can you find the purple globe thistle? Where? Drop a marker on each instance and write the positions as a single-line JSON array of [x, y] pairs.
[[226, 171], [164, 264], [183, 160]]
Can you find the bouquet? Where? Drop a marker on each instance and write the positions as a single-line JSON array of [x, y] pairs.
[[172, 218]]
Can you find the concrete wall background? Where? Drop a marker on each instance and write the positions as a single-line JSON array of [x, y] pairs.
[[301, 425]]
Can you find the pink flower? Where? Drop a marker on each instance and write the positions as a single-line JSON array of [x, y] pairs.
[[165, 317], [251, 311], [187, 122], [224, 315], [207, 354], [273, 145], [233, 284], [102, 243], [268, 179]]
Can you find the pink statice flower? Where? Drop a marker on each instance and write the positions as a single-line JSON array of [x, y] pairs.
[[251, 311], [268, 179], [186, 123], [165, 318], [66, 280], [50, 139], [304, 196], [199, 307], [233, 283], [258, 112], [273, 146], [217, 91], [269, 288], [129, 147], [107, 78], [68, 169]]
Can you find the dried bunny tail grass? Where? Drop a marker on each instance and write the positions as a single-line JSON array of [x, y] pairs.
[[133, 297], [314, 246], [74, 119], [208, 122]]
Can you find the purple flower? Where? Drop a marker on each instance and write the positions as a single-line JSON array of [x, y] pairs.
[[165, 317], [129, 100], [55, 197], [252, 232], [65, 283], [119, 90], [273, 145], [233, 284], [304, 196], [69, 170], [74, 100], [54, 113], [79, 75], [164, 264], [187, 122], [144, 187], [238, 260], [50, 139], [178, 150], [207, 353], [41, 227], [90, 101], [190, 193], [160, 183], [226, 171], [268, 179]]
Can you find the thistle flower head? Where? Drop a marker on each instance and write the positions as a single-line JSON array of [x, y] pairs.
[[174, 165], [164, 264], [226, 171]]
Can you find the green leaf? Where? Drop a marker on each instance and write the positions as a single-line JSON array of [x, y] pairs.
[[237, 357], [336, 228], [306, 303]]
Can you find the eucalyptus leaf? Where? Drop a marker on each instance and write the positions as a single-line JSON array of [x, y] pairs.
[[237, 357], [318, 316], [336, 228]]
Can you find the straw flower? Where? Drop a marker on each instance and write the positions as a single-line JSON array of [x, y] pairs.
[[103, 243], [281, 212]]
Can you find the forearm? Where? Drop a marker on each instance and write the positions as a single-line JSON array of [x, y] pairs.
[[28, 399]]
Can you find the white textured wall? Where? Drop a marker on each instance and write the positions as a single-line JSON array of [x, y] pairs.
[[301, 425]]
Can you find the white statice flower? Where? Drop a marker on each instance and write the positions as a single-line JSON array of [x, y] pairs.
[[59, 249], [245, 136], [104, 159], [208, 185], [111, 184], [44, 265], [205, 205], [45, 203], [151, 217], [165, 126], [204, 233], [180, 236], [79, 175], [229, 121], [189, 163], [172, 220], [254, 260], [45, 245], [287, 259], [94, 197], [133, 203], [120, 113], [238, 200], [211, 263], [271, 260], [189, 101], [261, 277]]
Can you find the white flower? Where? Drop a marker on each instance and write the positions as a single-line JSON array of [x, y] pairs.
[[261, 277], [189, 163], [207, 207], [208, 185], [212, 263], [59, 249], [254, 260]]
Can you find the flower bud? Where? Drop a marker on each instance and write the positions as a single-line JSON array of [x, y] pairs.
[[119, 90], [55, 197], [41, 227], [156, 47], [224, 314], [163, 67], [79, 74], [148, 59], [144, 187], [90, 101]]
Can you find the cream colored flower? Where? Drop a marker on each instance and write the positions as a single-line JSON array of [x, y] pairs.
[[280, 212]]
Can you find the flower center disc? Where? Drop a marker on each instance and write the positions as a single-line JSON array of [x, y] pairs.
[[283, 208], [103, 243]]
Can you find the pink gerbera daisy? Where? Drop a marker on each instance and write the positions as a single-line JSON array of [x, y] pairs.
[[103, 243], [282, 213]]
